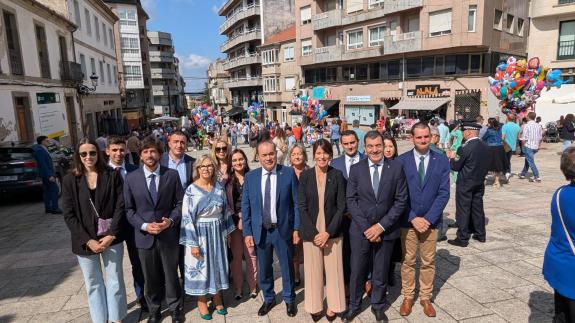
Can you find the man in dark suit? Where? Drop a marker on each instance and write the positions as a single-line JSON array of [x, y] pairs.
[[377, 196], [271, 221], [116, 152], [48, 175], [153, 195], [427, 173], [472, 163]]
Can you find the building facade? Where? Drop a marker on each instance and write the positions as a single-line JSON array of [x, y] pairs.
[[166, 84], [360, 58], [38, 75], [220, 95]]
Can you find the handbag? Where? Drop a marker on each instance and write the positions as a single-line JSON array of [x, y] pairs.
[[506, 146], [563, 222], [103, 224]]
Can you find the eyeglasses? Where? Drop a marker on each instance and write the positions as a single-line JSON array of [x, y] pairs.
[[205, 166], [92, 153], [221, 149]]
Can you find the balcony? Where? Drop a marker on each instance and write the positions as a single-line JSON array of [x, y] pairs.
[[353, 18], [327, 54], [402, 43], [249, 35], [241, 14], [362, 53], [252, 58], [252, 81], [164, 90], [273, 97], [162, 56], [393, 6], [220, 100], [71, 72], [162, 73], [327, 19]]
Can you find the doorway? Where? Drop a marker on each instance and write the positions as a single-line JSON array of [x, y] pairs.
[[72, 123], [24, 118]]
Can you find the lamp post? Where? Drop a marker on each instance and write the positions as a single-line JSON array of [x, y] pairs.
[[83, 90]]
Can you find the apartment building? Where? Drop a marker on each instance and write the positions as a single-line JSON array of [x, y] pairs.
[[38, 75], [166, 83], [246, 26], [219, 94], [365, 58], [131, 44], [281, 76]]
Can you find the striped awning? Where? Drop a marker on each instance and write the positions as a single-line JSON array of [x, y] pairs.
[[428, 104]]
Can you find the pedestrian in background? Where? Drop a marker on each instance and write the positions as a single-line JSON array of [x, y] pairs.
[[281, 145], [48, 174], [567, 133], [531, 137], [360, 135], [559, 259], [510, 132], [335, 131], [94, 212], [443, 135], [134, 148], [221, 155], [494, 140]]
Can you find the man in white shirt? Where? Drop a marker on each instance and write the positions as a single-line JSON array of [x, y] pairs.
[[531, 138]]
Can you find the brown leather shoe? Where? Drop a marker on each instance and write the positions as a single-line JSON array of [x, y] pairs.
[[427, 308], [406, 306]]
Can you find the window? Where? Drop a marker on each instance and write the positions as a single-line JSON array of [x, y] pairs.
[[475, 63], [412, 23], [42, 48], [290, 83], [88, 22], [440, 23], [305, 15], [93, 65], [109, 72], [83, 65], [306, 47], [97, 26], [374, 72], [566, 46], [127, 17], [393, 69], [77, 19], [132, 73], [354, 5], [348, 73], [111, 38], [471, 18], [413, 67], [115, 75], [566, 1], [269, 56], [331, 74], [427, 65], [375, 4], [105, 34], [439, 68], [130, 44], [520, 24], [462, 64], [449, 65], [102, 78], [288, 54], [355, 39], [13, 42], [510, 22], [361, 70], [376, 35], [497, 20], [270, 85]]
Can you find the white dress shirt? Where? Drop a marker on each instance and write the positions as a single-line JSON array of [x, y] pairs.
[[350, 160], [371, 170], [273, 184], [418, 157], [147, 173], [123, 171]]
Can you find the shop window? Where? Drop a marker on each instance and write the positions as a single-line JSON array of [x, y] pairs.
[[413, 67], [393, 70], [321, 76], [374, 72], [450, 64], [309, 76], [427, 66], [462, 64], [361, 70], [475, 63], [439, 67], [331, 74], [348, 73]]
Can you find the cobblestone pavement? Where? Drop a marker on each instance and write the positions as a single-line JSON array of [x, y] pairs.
[[498, 281]]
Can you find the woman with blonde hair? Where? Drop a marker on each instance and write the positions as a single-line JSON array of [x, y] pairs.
[[281, 144], [221, 156], [206, 225]]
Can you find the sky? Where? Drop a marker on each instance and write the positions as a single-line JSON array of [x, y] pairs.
[[194, 27]]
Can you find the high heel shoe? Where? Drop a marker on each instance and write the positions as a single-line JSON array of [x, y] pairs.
[[317, 316], [330, 318], [222, 311], [206, 317]]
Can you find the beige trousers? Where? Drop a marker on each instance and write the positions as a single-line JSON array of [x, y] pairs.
[[317, 261], [410, 241]]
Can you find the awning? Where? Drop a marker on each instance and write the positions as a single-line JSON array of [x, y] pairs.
[[233, 111], [428, 104]]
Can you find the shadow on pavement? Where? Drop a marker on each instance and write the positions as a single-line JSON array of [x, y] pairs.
[[542, 302]]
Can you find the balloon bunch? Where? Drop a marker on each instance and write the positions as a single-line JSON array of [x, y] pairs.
[[518, 83], [203, 115], [254, 110], [315, 110]]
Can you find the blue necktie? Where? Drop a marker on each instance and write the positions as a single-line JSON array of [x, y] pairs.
[[421, 169], [153, 189], [267, 211], [375, 179]]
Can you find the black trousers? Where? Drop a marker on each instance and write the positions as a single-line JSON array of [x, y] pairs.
[[508, 159], [137, 273], [564, 309], [160, 267], [469, 213]]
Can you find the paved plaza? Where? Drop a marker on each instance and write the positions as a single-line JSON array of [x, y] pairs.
[[497, 281]]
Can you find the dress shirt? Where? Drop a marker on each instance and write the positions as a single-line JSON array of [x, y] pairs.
[[418, 157], [348, 161], [371, 170], [273, 184], [122, 167], [532, 134], [147, 173], [179, 166]]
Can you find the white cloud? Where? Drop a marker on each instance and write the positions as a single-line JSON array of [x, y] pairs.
[[215, 9], [150, 6], [194, 61]]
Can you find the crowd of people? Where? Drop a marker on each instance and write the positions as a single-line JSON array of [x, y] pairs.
[[189, 225]]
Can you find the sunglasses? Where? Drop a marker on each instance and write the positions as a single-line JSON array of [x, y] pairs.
[[92, 153], [221, 149]]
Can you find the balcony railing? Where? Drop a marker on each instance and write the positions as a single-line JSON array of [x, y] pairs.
[[401, 43], [243, 82], [241, 14], [71, 72], [164, 90], [327, 19], [566, 49], [251, 58], [328, 54], [246, 36], [392, 6]]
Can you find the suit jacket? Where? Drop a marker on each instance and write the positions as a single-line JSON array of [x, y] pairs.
[[140, 208], [44, 160], [339, 164], [334, 203], [473, 163], [79, 215], [427, 200], [287, 211], [387, 207], [130, 168], [188, 160]]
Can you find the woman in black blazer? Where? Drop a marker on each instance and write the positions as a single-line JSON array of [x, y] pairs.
[[322, 205], [93, 205]]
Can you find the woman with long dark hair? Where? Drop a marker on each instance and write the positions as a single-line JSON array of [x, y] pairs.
[[93, 205]]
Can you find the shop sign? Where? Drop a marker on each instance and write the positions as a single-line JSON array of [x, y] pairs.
[[47, 97], [432, 89], [358, 98]]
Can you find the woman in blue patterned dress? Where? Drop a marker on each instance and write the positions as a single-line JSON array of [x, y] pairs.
[[206, 225]]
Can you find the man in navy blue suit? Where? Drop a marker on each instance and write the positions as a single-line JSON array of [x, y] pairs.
[[271, 222], [153, 196], [116, 152], [377, 196], [427, 173], [48, 175]]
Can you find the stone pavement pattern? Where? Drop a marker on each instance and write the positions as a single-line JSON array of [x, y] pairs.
[[498, 281]]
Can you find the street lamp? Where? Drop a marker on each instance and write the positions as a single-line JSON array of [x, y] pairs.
[[84, 89]]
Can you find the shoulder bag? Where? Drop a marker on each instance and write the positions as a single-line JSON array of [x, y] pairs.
[[103, 224]]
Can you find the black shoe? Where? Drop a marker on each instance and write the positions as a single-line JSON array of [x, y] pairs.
[[317, 316], [297, 283], [266, 307], [380, 315], [458, 243], [482, 240], [350, 315], [155, 318], [331, 318], [452, 225], [177, 317], [291, 309], [443, 238], [143, 304]]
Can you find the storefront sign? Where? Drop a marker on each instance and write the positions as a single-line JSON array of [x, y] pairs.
[[358, 98], [47, 98], [429, 92], [432, 89]]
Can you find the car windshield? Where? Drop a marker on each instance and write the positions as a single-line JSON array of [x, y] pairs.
[[15, 154]]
